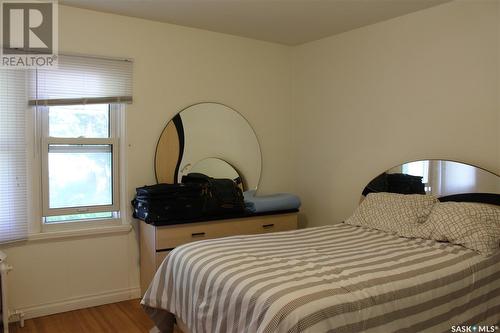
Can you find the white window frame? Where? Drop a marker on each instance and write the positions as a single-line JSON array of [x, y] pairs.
[[116, 133]]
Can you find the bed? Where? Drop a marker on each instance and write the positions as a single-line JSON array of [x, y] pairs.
[[338, 278], [346, 277]]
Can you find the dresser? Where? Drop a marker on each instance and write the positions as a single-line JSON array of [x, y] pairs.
[[157, 241]]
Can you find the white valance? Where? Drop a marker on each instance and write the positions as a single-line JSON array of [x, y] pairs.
[[83, 80]]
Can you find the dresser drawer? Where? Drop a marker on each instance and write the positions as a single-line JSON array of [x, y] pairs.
[[168, 237]]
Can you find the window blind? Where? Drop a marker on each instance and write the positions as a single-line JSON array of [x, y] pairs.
[[83, 80], [13, 171]]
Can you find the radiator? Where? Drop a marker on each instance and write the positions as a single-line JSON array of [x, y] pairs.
[[4, 306]]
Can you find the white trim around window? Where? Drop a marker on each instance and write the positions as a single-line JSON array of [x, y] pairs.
[[39, 164]]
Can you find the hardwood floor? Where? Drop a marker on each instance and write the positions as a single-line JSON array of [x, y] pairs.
[[123, 317]]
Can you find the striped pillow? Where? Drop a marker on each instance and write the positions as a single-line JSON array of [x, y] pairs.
[[402, 214], [473, 225]]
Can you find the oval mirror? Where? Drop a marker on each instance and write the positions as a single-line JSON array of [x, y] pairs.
[[448, 180], [213, 133]]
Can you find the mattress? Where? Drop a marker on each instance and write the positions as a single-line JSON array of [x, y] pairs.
[[336, 278]]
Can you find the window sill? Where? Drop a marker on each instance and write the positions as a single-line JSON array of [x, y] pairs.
[[67, 234]]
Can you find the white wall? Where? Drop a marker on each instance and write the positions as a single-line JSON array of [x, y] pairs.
[[424, 85], [173, 67]]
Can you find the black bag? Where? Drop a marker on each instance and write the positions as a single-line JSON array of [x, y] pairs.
[[221, 197], [396, 183], [405, 184], [198, 197], [162, 203]]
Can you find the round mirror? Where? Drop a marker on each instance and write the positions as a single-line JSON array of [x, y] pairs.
[[214, 135]]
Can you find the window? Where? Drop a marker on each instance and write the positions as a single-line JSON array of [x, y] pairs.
[[78, 109], [419, 168], [80, 162]]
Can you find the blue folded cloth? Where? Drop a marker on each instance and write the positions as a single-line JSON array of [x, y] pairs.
[[270, 203]]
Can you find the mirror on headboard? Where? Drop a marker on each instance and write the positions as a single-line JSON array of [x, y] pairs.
[[448, 180], [213, 138]]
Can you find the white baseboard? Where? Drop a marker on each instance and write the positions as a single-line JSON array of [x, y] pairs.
[[81, 302]]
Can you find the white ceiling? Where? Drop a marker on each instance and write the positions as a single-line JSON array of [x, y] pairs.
[[289, 22]]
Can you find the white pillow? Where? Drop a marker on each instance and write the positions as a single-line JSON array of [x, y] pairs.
[[473, 225], [402, 214]]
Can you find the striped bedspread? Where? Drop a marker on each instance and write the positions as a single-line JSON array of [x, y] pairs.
[[336, 278]]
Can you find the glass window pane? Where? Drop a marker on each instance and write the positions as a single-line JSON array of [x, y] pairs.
[[418, 168], [80, 175], [78, 217], [75, 121]]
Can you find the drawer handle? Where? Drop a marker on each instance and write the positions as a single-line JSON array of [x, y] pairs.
[[268, 226], [198, 234]]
